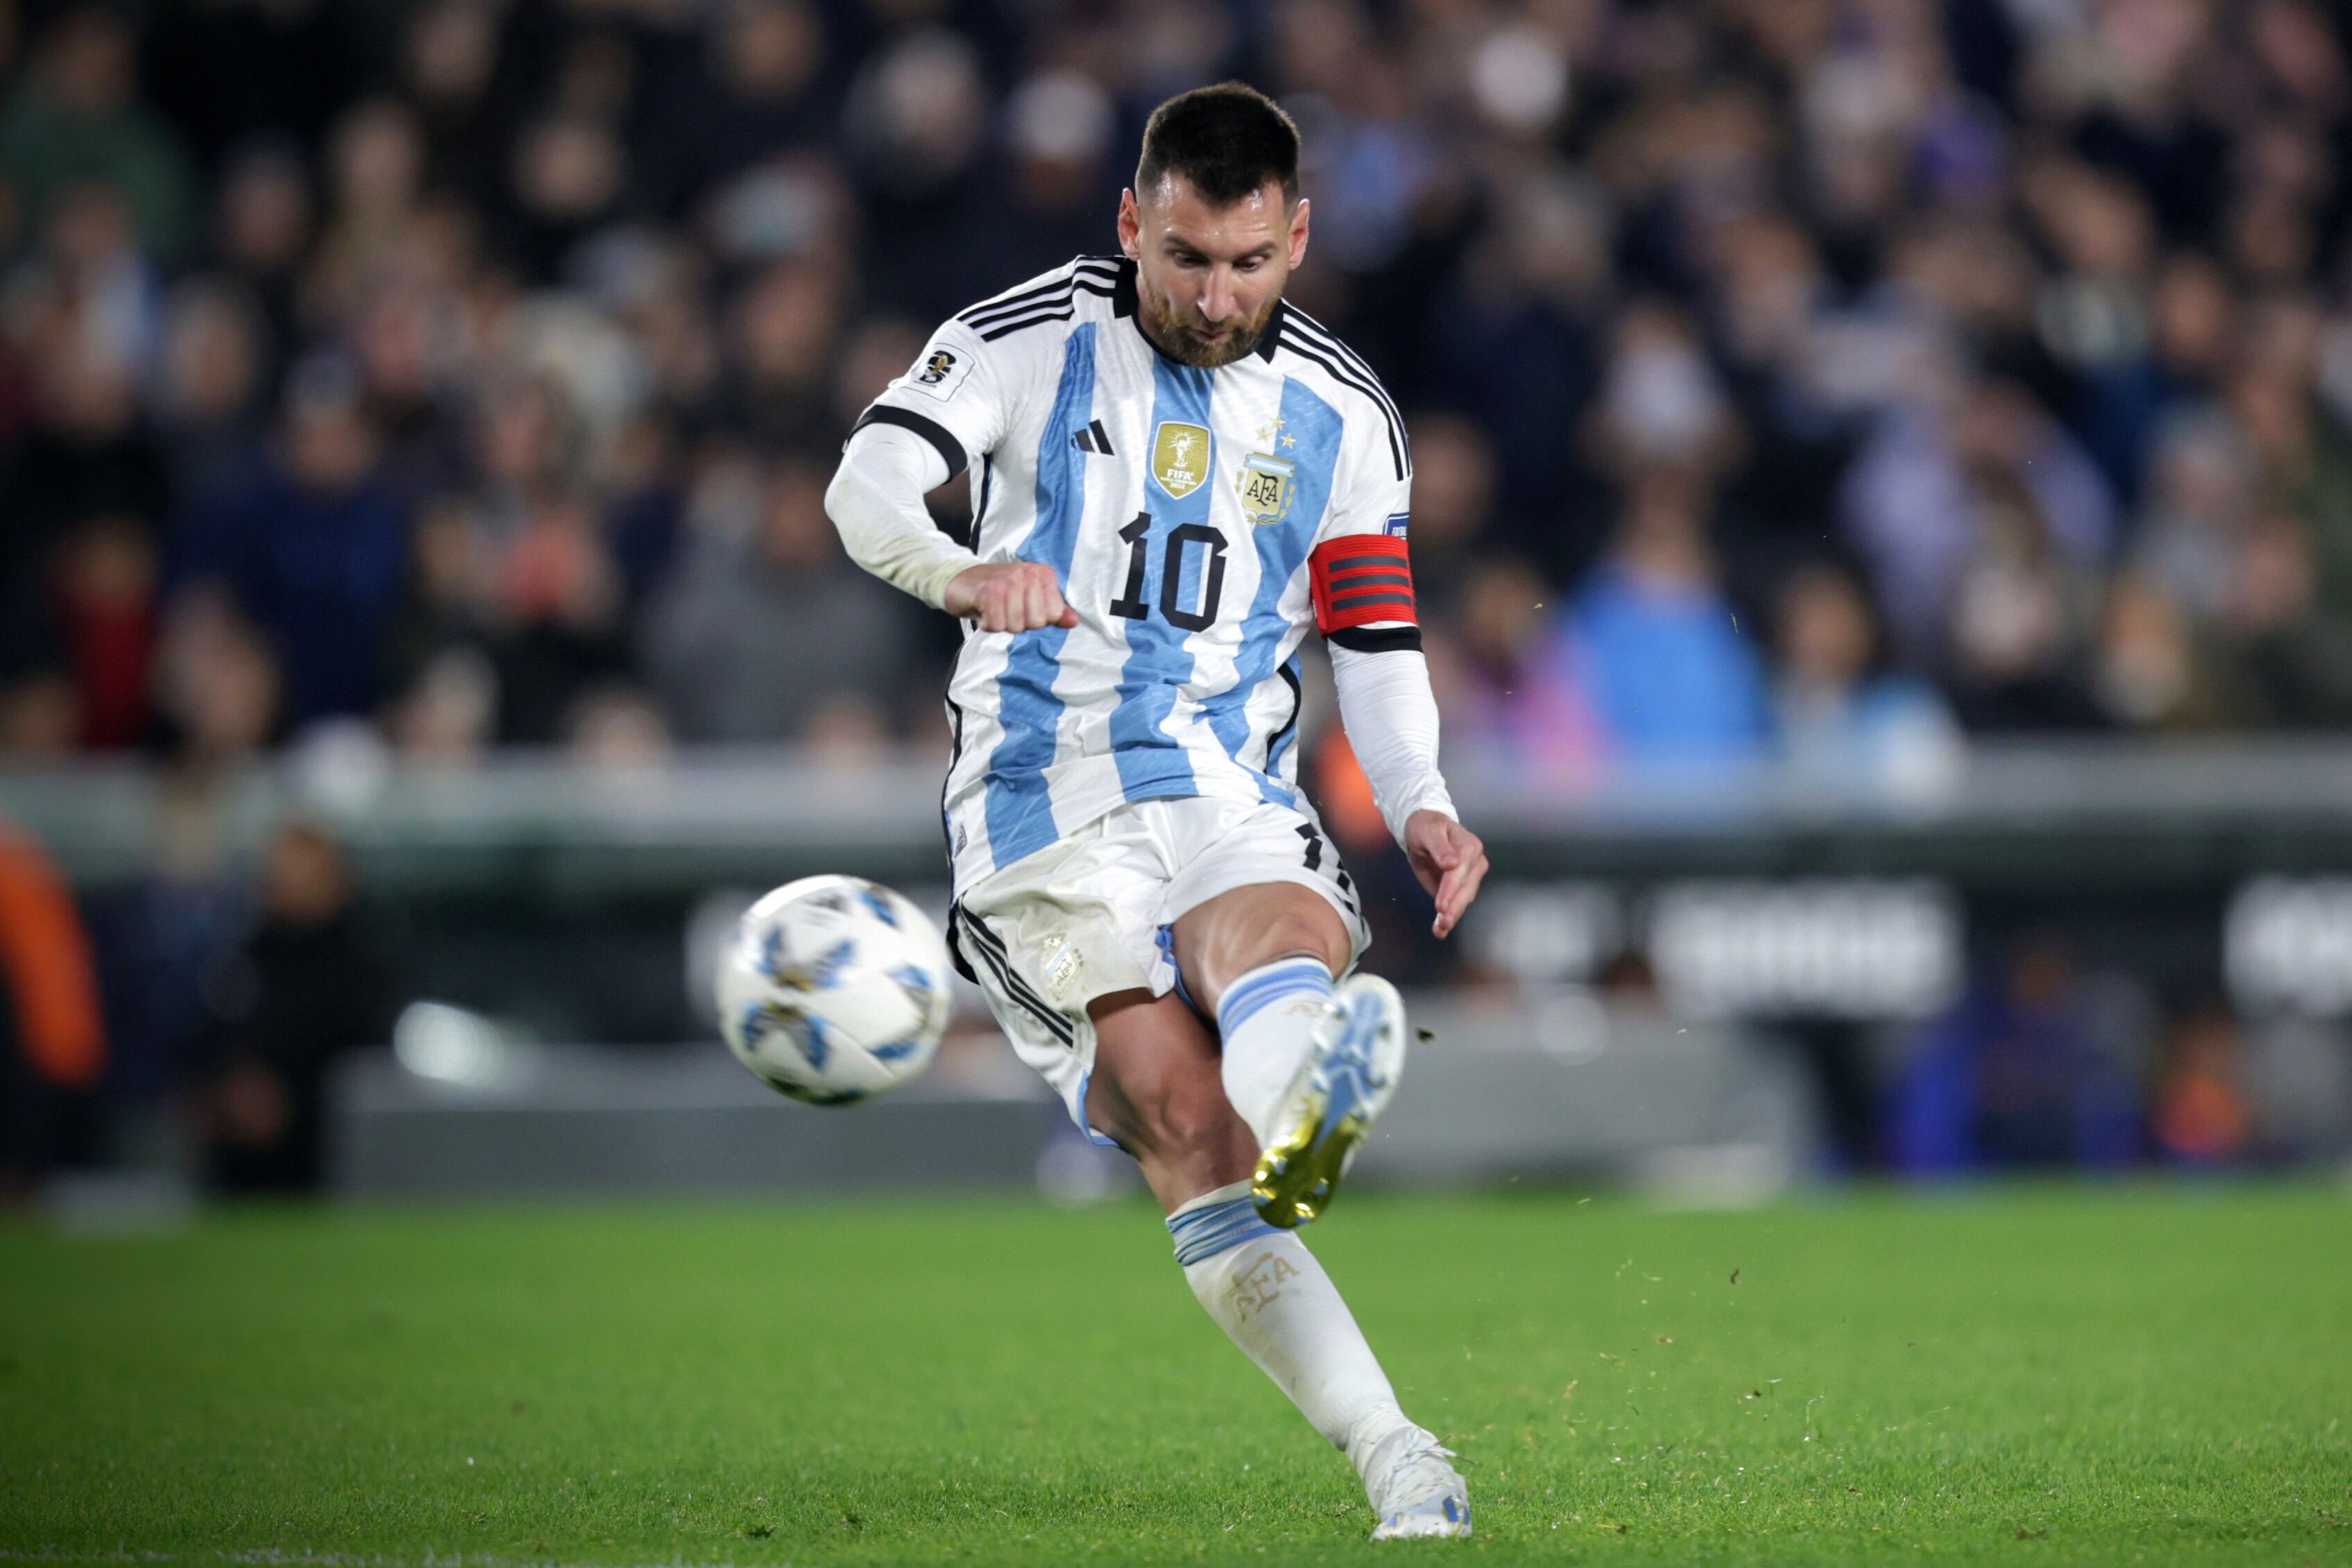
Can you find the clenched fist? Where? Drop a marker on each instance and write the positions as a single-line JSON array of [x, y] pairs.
[[1012, 596]]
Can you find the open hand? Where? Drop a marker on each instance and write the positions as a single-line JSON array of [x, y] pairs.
[[1450, 861], [1009, 596]]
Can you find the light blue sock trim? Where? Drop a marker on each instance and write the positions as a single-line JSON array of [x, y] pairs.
[[1269, 983], [1204, 1232]]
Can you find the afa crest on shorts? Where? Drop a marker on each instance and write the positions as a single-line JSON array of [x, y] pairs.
[[1180, 457]]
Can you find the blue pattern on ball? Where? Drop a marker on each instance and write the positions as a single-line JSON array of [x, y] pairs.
[[813, 1042]]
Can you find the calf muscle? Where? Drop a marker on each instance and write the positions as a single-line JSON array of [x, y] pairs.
[[1158, 1093]]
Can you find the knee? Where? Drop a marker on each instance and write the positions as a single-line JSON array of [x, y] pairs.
[[1238, 946], [1189, 1118], [1314, 931]]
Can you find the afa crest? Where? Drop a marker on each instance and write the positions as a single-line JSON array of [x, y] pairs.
[[1265, 487], [1180, 457]]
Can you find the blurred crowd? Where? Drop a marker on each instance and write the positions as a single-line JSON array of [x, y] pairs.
[[1833, 378], [187, 1021]]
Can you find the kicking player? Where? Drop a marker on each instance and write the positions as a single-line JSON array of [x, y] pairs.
[[1174, 476]]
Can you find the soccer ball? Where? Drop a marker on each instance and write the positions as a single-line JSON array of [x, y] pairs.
[[834, 989]]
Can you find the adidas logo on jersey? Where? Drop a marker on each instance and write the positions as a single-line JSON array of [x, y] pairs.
[[1093, 438]]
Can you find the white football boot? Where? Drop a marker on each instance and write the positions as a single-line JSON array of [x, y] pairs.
[[1351, 1070], [1417, 1494]]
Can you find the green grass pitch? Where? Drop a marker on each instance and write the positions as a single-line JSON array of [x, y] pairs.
[[2017, 1377]]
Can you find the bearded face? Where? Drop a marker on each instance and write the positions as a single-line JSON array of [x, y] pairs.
[[1209, 277], [1197, 341]]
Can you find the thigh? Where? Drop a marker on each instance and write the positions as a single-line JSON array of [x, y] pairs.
[[1078, 919], [1218, 941], [1158, 1092], [1055, 932], [1257, 882]]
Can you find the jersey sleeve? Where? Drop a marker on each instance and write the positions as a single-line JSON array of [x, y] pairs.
[[1361, 579], [950, 406], [957, 395], [1359, 573]]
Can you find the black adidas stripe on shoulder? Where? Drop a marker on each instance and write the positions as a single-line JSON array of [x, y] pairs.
[[1057, 282], [1060, 309], [1331, 340], [1306, 348], [1366, 380], [1094, 272]]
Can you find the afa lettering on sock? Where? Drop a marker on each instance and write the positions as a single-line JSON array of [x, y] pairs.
[[1261, 1286]]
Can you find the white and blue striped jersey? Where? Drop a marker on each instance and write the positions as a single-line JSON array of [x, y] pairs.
[[1179, 507]]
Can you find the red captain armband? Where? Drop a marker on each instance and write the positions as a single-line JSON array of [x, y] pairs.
[[1360, 579]]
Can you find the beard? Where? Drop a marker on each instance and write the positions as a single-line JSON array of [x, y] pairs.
[[1187, 345]]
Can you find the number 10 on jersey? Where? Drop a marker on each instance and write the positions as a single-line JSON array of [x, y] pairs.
[[1173, 560]]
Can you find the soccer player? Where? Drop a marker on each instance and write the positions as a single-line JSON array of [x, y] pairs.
[[1174, 476]]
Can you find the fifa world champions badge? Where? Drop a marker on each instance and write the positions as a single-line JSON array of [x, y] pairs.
[[1180, 457]]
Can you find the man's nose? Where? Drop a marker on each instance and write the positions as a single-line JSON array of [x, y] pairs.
[[1217, 295]]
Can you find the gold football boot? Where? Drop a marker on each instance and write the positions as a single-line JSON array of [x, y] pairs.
[[1351, 1070]]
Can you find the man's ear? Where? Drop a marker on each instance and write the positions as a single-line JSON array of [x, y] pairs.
[[1130, 227], [1298, 233]]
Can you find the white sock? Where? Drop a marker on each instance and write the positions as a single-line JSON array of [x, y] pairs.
[[1273, 1298], [1267, 1019]]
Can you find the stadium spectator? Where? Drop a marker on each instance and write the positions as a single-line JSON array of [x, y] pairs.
[[560, 601], [2016, 1076], [439, 656], [53, 1032], [757, 88], [218, 690], [208, 389], [161, 940], [105, 609], [53, 1042], [1654, 641], [1516, 697], [89, 450], [74, 122], [306, 986], [1840, 715], [313, 548], [263, 218], [2202, 1115], [1453, 503], [760, 638]]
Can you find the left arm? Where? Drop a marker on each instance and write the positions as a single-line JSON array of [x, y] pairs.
[[1390, 716], [1360, 577]]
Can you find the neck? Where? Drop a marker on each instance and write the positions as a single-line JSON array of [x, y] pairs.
[[1143, 325]]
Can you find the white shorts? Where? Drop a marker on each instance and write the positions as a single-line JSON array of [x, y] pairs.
[[1089, 915]]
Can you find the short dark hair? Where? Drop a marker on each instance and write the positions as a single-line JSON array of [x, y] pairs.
[[1226, 141]]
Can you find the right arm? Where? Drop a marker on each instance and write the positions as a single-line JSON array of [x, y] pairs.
[[914, 439]]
